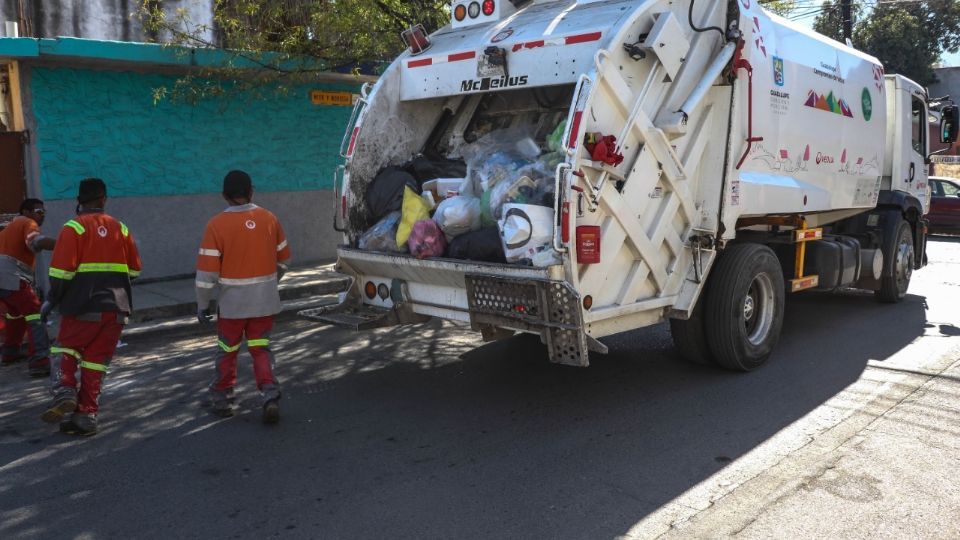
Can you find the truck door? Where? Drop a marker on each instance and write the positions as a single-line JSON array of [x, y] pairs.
[[912, 175]]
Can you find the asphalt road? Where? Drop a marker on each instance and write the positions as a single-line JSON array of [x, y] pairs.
[[425, 432]]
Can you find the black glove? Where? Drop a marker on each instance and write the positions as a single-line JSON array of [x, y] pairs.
[[204, 315]]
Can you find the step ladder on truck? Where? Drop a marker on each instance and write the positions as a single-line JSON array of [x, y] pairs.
[[758, 159]]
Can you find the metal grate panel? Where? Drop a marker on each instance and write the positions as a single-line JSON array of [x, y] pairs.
[[503, 296], [550, 308], [567, 345]]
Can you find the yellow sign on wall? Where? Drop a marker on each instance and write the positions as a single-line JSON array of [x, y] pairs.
[[323, 97]]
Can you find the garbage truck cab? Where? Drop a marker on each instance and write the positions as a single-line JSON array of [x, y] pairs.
[[696, 161]]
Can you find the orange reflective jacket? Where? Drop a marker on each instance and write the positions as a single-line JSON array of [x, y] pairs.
[[92, 264], [16, 239], [239, 253]]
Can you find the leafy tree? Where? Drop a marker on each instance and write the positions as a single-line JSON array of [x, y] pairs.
[[830, 20], [288, 39], [780, 7], [908, 37], [899, 40]]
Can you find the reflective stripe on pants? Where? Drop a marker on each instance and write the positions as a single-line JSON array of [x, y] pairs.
[[23, 317], [87, 346], [231, 335]]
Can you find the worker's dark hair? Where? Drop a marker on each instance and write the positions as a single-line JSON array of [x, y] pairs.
[[237, 185], [90, 190], [30, 204]]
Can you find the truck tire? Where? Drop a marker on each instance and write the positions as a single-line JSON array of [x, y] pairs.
[[690, 337], [744, 308], [897, 263]]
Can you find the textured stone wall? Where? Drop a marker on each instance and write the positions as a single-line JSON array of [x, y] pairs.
[[105, 123], [100, 19]]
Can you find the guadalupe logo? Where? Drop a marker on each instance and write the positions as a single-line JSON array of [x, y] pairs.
[[866, 104], [102, 231], [251, 224], [778, 71]]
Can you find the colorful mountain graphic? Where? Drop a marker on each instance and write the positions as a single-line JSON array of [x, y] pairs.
[[828, 103]]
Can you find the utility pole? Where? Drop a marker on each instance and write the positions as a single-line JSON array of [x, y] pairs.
[[845, 13]]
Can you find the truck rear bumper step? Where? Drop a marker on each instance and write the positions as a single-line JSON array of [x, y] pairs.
[[352, 316]]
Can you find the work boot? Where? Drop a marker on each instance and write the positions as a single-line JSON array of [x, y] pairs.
[[80, 424], [271, 411], [222, 408], [64, 403], [222, 402], [39, 367]]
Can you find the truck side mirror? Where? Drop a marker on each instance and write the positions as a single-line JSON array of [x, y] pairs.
[[949, 120]]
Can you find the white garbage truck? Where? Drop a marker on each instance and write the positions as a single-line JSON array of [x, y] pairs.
[[752, 158]]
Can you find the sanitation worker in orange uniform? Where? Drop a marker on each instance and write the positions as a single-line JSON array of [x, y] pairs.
[[20, 241], [241, 258], [90, 273]]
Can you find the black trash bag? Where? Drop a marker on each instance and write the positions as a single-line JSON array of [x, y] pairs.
[[483, 245], [429, 166], [385, 193]]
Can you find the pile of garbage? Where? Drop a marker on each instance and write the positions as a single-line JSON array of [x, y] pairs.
[[494, 205]]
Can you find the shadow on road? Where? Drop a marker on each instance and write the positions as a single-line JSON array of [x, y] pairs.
[[416, 432]]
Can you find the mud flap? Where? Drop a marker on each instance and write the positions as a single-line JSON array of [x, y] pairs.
[[548, 308]]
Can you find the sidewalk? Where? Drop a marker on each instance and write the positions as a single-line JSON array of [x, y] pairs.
[[888, 471], [176, 298]]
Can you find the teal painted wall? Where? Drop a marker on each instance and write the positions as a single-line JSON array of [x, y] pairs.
[[105, 124]]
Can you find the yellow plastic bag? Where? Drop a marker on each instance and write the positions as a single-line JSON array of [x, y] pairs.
[[415, 208]]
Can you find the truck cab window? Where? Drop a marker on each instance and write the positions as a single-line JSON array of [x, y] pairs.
[[919, 125]]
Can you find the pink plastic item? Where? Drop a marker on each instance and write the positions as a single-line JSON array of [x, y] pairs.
[[426, 240]]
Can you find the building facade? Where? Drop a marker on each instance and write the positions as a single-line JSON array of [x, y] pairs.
[[83, 108]]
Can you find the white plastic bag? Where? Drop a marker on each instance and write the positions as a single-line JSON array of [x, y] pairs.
[[526, 230], [458, 215]]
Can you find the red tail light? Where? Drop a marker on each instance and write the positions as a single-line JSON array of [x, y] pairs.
[[565, 223], [416, 38], [488, 7], [588, 244]]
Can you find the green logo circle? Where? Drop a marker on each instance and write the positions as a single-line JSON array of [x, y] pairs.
[[866, 104]]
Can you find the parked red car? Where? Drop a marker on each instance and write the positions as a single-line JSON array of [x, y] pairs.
[[944, 213]]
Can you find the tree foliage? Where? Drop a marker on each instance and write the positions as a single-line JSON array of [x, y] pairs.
[[780, 7], [335, 31], [279, 35], [907, 37], [830, 20]]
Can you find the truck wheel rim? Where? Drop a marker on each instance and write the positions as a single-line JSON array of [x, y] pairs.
[[758, 308], [904, 268]]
